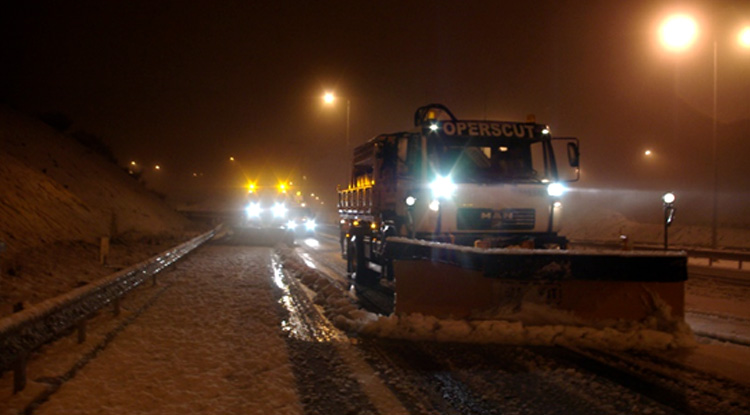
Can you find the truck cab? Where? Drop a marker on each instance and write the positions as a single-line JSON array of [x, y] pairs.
[[466, 182]]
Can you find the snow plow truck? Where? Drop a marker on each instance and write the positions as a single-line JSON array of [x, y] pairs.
[[462, 216]]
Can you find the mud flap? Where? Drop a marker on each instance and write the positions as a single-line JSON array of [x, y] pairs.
[[451, 281]]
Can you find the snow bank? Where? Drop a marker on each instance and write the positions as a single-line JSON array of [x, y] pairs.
[[531, 324]]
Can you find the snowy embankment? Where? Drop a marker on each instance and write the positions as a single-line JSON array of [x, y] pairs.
[[513, 327], [58, 198]]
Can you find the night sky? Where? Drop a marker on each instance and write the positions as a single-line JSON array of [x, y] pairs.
[[188, 84]]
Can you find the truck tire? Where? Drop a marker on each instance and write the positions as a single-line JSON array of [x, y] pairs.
[[357, 263]]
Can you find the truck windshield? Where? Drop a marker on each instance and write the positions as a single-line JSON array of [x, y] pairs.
[[490, 161]]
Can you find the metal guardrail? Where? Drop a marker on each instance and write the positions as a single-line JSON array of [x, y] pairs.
[[711, 254], [716, 254], [27, 330]]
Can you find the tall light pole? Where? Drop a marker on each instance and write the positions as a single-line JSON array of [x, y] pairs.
[[329, 98], [678, 33]]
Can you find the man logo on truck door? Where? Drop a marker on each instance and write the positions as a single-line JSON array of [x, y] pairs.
[[485, 215]]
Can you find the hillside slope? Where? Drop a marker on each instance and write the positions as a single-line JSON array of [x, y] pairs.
[[57, 199]]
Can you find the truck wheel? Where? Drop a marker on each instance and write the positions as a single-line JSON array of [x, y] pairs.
[[362, 274]]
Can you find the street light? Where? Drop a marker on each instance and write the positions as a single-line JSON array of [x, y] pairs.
[[668, 200], [678, 33], [744, 37], [329, 98]]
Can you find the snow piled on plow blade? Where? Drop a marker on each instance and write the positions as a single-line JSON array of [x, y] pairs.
[[524, 323], [446, 280]]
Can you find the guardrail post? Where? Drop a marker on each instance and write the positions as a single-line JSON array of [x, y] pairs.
[[104, 250], [19, 374], [82, 331]]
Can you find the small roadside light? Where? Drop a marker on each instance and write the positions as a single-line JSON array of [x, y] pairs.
[[648, 153], [157, 167], [132, 163], [410, 200], [231, 158], [668, 200]]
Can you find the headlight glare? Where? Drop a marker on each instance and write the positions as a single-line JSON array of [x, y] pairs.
[[253, 210], [442, 187], [279, 210], [555, 189], [310, 225]]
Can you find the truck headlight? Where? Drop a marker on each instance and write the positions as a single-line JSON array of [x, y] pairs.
[[310, 225], [253, 210], [278, 210], [435, 205], [555, 189], [442, 187], [410, 200], [291, 225]]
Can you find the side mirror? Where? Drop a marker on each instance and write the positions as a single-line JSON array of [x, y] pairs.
[[567, 147], [573, 154]]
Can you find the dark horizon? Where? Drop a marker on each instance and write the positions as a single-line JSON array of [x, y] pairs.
[[189, 84]]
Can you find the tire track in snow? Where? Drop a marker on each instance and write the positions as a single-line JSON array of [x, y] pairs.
[[331, 379]]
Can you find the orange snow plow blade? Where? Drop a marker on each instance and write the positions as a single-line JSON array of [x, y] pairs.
[[451, 281]]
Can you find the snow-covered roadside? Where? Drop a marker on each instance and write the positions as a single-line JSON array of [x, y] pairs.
[[211, 344], [657, 332], [40, 273]]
